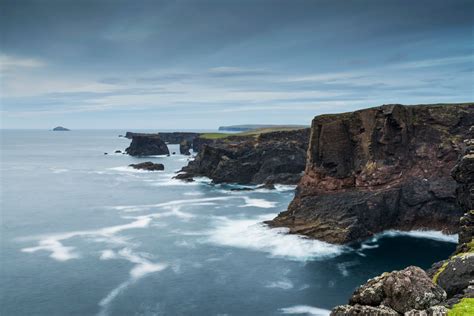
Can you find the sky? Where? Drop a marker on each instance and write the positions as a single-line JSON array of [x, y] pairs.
[[200, 64]]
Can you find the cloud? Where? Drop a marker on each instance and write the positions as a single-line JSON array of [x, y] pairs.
[[9, 62]]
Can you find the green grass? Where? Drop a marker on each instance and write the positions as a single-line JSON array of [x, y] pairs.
[[464, 307], [215, 135], [254, 132]]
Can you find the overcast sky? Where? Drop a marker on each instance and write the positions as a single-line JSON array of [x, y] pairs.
[[201, 64]]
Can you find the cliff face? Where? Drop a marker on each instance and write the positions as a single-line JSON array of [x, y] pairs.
[[449, 284], [276, 157], [381, 168]]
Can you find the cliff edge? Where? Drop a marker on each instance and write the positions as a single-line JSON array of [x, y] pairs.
[[381, 168]]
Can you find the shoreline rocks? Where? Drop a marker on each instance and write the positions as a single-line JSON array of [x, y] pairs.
[[381, 168], [148, 165]]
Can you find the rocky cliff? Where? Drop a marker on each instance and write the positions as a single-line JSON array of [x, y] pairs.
[[448, 287], [146, 145], [380, 168], [275, 157]]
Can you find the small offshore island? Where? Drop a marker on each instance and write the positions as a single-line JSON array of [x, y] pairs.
[[392, 167], [60, 129]]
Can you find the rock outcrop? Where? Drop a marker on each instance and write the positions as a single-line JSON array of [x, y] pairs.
[[185, 147], [393, 293], [169, 138], [148, 165], [448, 285], [146, 145], [380, 168], [275, 157]]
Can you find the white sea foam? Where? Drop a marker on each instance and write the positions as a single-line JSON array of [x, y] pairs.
[[193, 193], [428, 234], [128, 169], [59, 170], [142, 267], [58, 250], [284, 187], [251, 202], [282, 284], [305, 310], [343, 267], [252, 234]]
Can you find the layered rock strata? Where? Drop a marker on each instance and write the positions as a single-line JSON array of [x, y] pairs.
[[381, 168]]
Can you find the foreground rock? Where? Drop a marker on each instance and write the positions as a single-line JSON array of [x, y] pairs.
[[275, 157], [150, 166], [146, 145], [381, 168], [393, 293]]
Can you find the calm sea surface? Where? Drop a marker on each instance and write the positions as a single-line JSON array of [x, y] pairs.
[[83, 234]]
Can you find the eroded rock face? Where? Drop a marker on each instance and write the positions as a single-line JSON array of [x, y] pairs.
[[150, 166], [185, 147], [353, 310], [380, 168], [393, 293], [276, 157], [146, 145]]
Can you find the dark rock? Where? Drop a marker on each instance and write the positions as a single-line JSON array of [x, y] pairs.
[[456, 274], [147, 145], [401, 291], [118, 151], [174, 153], [184, 147], [60, 129], [432, 311], [275, 157], [150, 166], [367, 171], [353, 310]]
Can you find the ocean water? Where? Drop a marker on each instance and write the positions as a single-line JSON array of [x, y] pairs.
[[83, 234]]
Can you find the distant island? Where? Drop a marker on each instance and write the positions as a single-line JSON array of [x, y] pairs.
[[60, 129], [248, 127]]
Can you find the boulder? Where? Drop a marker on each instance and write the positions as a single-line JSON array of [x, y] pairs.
[[399, 291], [148, 165]]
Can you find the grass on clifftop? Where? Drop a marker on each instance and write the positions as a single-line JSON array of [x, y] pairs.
[[254, 132], [464, 307], [215, 135]]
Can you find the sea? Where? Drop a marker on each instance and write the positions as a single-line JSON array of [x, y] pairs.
[[82, 233]]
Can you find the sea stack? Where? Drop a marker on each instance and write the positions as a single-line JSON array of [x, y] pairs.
[[146, 145]]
